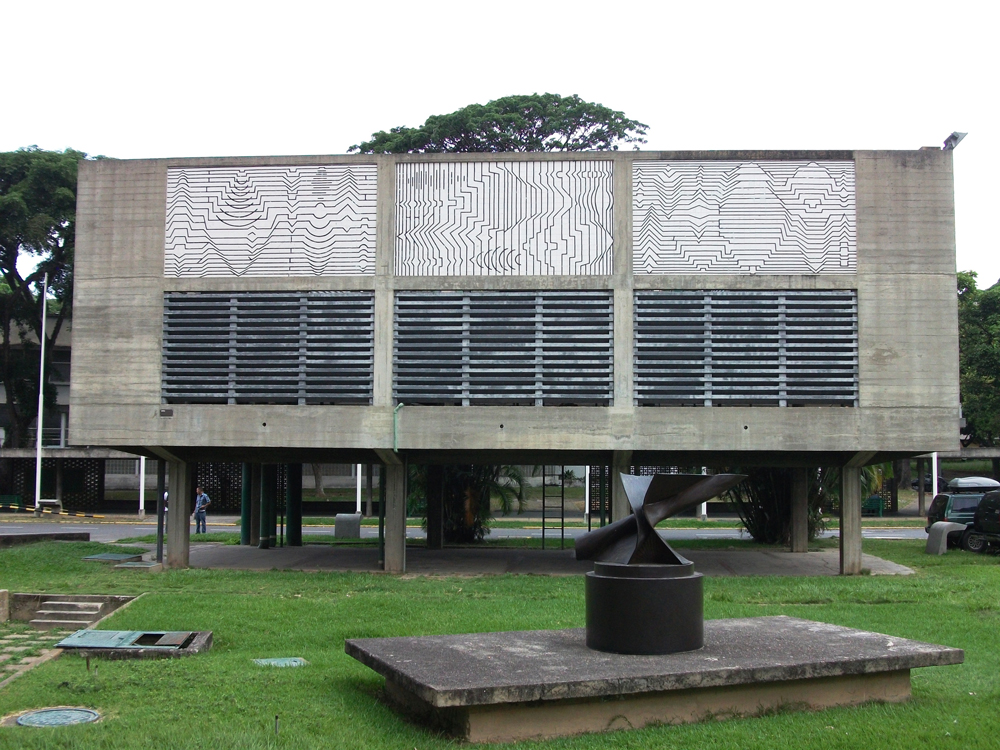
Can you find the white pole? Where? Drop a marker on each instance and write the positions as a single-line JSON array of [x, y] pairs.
[[142, 486], [357, 471], [934, 475], [41, 396], [586, 492], [703, 508]]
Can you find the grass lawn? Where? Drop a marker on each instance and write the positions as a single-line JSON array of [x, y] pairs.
[[221, 700]]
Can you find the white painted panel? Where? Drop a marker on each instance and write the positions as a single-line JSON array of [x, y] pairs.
[[271, 221], [773, 217], [539, 218]]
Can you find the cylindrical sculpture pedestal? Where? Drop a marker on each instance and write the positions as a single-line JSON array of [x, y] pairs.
[[645, 609]]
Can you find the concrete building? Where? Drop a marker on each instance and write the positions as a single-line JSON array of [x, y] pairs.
[[681, 308]]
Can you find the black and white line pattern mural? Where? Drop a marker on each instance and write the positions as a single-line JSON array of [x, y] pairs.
[[271, 221], [537, 218], [771, 217]]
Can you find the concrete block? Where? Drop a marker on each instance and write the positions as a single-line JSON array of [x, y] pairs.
[[347, 526], [937, 537], [482, 687], [4, 605]]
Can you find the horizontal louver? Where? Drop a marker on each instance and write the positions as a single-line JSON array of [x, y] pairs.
[[515, 348], [268, 347], [723, 347]]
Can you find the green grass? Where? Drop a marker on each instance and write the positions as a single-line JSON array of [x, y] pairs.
[[221, 700]]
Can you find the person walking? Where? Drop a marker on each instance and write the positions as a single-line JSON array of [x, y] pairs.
[[201, 501]]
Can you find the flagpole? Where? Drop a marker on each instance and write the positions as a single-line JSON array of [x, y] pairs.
[[41, 396]]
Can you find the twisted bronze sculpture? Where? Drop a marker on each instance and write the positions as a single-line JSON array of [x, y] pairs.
[[642, 597]]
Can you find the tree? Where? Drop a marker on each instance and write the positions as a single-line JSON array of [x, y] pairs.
[[979, 361], [539, 122], [37, 219]]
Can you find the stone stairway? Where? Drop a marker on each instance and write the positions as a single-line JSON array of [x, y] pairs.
[[69, 612]]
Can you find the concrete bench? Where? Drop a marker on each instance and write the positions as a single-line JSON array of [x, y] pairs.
[[937, 537], [347, 526]]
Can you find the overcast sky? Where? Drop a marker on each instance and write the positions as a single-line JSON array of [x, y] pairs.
[[134, 80]]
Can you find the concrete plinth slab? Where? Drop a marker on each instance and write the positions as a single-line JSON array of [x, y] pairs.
[[503, 687]]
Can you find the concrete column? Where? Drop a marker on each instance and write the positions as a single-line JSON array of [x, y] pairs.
[[254, 504], [850, 520], [293, 505], [800, 510], [371, 490], [161, 487], [179, 517], [621, 463], [395, 518], [622, 283], [921, 495], [435, 507], [245, 514], [268, 485]]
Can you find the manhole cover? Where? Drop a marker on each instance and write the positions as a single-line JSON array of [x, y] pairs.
[[288, 661], [57, 717]]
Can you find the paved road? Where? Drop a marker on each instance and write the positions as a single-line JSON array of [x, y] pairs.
[[107, 531]]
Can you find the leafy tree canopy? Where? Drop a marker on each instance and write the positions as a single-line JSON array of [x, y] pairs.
[[536, 122], [38, 219], [979, 359]]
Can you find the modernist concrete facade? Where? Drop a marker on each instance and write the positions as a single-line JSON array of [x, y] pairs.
[[898, 260]]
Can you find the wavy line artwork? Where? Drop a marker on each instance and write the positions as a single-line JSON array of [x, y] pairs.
[[271, 221], [771, 217], [532, 218]]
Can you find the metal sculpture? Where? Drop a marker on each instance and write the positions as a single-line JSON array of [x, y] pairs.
[[643, 597]]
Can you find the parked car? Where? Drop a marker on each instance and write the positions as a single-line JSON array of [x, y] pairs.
[[985, 527], [958, 503], [928, 483]]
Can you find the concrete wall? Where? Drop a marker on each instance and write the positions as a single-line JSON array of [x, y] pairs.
[[907, 318]]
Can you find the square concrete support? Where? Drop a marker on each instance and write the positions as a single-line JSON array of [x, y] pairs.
[[435, 507], [850, 521], [395, 518], [800, 510], [921, 496], [621, 463], [254, 504], [179, 517], [293, 505]]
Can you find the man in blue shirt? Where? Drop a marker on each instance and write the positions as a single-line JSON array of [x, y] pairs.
[[201, 501]]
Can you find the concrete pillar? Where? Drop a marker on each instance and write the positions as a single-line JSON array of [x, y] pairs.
[[800, 510], [245, 514], [268, 485], [435, 507], [161, 488], [850, 521], [395, 518], [921, 495], [254, 504], [293, 505], [371, 490], [621, 463], [179, 517]]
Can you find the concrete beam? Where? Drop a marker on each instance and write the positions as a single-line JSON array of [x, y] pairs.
[[800, 510], [178, 515], [395, 518], [389, 457], [862, 458], [850, 521]]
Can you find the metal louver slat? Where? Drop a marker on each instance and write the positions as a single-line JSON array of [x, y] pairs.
[[268, 347], [515, 348], [759, 347]]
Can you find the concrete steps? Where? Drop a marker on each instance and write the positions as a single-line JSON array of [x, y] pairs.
[[68, 612]]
